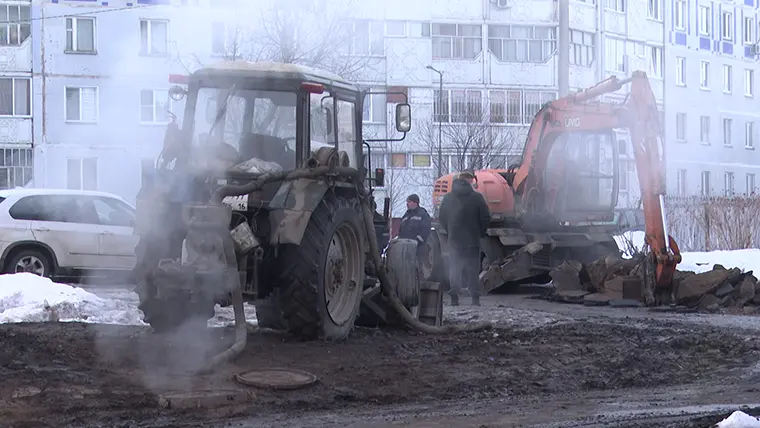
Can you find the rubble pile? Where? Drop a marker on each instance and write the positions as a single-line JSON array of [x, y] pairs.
[[619, 282]]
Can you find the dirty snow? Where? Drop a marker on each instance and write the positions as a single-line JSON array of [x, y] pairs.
[[24, 297], [739, 419], [699, 261], [515, 318]]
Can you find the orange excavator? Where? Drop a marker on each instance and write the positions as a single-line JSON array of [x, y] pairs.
[[557, 204]]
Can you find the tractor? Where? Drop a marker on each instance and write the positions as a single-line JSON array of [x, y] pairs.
[[261, 195]]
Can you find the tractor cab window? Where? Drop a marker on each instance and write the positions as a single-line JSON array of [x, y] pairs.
[[259, 125], [581, 170], [323, 134], [321, 110]]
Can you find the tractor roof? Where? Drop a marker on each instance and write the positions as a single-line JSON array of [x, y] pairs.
[[275, 69]]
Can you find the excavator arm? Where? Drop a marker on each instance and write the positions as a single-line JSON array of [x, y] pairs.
[[639, 114]]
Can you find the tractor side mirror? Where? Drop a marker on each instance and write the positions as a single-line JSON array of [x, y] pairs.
[[403, 117], [379, 177]]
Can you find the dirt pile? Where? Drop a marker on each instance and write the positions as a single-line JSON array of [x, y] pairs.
[[619, 282]]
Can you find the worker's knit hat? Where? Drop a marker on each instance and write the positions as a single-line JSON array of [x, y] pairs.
[[414, 198]]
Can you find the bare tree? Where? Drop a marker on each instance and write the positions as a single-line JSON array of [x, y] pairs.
[[472, 144], [314, 33]]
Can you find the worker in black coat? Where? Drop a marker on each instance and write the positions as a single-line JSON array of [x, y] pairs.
[[415, 224], [464, 216]]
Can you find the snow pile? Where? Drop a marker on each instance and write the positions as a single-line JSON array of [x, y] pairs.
[[25, 297], [698, 261], [739, 420]]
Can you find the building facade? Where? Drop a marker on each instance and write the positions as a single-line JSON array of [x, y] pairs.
[[101, 71], [712, 117]]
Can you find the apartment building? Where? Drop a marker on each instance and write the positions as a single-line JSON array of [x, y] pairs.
[[712, 115], [15, 94], [100, 79]]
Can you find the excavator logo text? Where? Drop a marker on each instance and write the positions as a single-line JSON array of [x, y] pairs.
[[572, 122]]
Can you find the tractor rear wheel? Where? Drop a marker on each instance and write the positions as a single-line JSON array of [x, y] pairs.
[[321, 280]]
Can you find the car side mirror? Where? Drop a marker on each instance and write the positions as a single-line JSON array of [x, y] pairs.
[[379, 177], [403, 117]]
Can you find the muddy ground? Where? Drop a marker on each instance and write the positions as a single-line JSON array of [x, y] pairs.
[[82, 375]]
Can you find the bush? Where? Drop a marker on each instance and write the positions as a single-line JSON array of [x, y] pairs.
[[714, 223]]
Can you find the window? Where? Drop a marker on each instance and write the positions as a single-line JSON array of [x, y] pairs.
[[654, 10], [368, 38], [706, 186], [517, 107], [681, 182], [153, 37], [749, 135], [616, 5], [421, 161], [749, 82], [154, 106], [655, 61], [582, 48], [16, 169], [521, 43], [82, 173], [456, 41], [16, 27], [81, 104], [748, 35], [705, 17], [347, 134], [458, 106], [14, 97], [113, 212], [225, 40], [441, 109], [398, 160], [614, 55], [704, 75], [749, 181], [727, 27], [728, 183], [80, 34], [681, 126], [727, 123], [680, 15], [395, 28], [727, 78], [373, 109], [680, 71], [704, 129]]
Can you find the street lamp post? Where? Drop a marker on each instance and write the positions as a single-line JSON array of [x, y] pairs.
[[440, 122]]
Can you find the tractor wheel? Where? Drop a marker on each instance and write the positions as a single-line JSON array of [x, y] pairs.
[[403, 272], [268, 312], [321, 280], [433, 267]]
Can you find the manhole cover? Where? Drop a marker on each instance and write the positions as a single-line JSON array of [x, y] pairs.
[[282, 379]]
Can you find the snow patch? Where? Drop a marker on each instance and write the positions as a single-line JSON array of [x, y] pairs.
[[25, 297], [631, 242], [739, 419]]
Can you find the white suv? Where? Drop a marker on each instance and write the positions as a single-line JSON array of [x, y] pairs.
[[65, 233]]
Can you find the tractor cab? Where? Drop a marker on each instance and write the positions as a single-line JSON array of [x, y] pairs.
[[255, 118]]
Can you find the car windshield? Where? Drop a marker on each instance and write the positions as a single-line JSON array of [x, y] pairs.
[[259, 125]]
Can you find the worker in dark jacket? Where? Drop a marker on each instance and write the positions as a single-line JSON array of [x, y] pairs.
[[464, 215], [415, 224]]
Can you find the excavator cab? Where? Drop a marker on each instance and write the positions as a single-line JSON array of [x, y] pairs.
[[581, 177]]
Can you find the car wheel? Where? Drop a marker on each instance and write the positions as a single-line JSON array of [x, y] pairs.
[[31, 261]]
